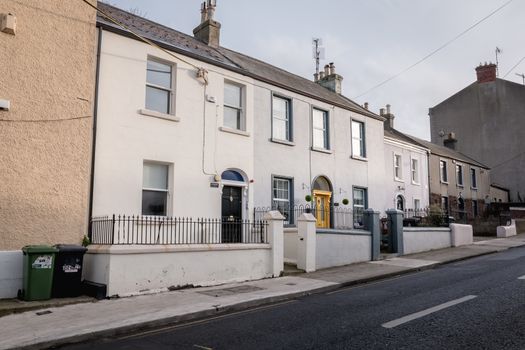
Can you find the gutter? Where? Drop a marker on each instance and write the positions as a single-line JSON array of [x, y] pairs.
[[94, 138]]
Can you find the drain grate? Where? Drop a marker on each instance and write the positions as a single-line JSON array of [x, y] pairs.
[[40, 313]]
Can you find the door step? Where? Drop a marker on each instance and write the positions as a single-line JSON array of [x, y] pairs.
[[291, 270], [384, 256]]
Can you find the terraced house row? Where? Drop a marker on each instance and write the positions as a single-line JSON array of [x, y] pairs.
[[149, 129]]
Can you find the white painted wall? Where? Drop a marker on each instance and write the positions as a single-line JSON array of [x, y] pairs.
[[461, 234], [302, 164], [128, 270], [125, 138], [11, 273], [290, 245], [406, 187], [422, 239], [337, 249]]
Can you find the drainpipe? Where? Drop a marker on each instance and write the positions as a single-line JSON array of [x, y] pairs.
[[94, 138]]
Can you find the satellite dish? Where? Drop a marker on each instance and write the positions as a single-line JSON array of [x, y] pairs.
[[441, 133]]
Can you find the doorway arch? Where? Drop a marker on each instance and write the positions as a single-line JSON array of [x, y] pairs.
[[233, 200], [400, 202], [322, 191]]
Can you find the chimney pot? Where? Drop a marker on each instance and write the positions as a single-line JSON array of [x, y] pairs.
[[381, 111], [450, 141], [366, 105], [321, 75], [387, 109], [316, 77], [330, 80], [327, 70]]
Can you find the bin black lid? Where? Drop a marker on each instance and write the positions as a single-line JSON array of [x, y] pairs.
[[70, 248]]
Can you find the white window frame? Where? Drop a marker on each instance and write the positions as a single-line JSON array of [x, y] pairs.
[[241, 108], [166, 190], [288, 119], [458, 177], [473, 184], [400, 167], [361, 138], [418, 205], [171, 94], [443, 179], [414, 171], [290, 199], [325, 129]]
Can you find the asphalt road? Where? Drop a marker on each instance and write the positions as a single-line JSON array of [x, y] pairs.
[[474, 304]]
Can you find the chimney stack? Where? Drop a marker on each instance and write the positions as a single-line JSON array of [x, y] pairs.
[[209, 30], [329, 79], [486, 73], [389, 122], [450, 141], [366, 105]]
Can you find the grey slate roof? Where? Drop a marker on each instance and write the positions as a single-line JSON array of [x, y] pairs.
[[447, 152], [187, 45]]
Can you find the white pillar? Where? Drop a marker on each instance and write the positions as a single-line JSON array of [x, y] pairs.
[[306, 244], [276, 240]]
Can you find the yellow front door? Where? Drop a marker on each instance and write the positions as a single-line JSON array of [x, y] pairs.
[[322, 208]]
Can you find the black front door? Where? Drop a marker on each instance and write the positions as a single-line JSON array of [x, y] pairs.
[[231, 214]]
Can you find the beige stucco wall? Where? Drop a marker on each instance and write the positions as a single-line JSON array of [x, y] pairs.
[[47, 72]]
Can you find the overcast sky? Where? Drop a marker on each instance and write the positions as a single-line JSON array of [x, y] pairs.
[[368, 41]]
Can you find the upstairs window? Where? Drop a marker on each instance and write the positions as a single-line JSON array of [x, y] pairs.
[[415, 170], [233, 106], [443, 171], [281, 118], [358, 139], [473, 179], [398, 163], [155, 189], [158, 86], [320, 129], [459, 175]]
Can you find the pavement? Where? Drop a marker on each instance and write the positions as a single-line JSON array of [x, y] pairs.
[[82, 322]]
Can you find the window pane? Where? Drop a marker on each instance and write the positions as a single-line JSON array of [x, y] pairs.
[[356, 147], [319, 119], [280, 108], [232, 118], [157, 99], [159, 74], [155, 176], [280, 129], [154, 202], [232, 95], [319, 140]]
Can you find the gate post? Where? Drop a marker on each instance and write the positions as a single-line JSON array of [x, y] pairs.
[[306, 244], [395, 226], [276, 239], [371, 222]]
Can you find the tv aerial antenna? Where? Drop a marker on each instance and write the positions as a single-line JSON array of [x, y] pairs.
[[522, 77], [498, 51], [317, 53]]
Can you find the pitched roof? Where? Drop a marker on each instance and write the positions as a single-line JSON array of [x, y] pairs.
[[398, 135], [447, 152], [176, 41]]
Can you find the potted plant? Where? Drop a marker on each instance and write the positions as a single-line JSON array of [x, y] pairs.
[[308, 198], [345, 201]]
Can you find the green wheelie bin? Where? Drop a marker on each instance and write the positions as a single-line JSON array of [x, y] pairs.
[[39, 261]]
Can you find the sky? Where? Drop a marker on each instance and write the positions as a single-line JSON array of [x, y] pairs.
[[368, 41]]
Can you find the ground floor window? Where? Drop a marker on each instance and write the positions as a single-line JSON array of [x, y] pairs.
[[444, 204], [359, 205], [282, 197], [155, 189], [417, 204], [475, 208]]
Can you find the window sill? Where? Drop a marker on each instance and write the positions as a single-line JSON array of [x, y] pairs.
[[321, 150], [443, 182], [363, 159], [159, 115], [282, 142], [460, 186], [474, 188], [416, 183], [234, 131], [396, 179]]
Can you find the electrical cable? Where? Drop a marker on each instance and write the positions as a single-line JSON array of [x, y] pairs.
[[514, 66], [436, 50]]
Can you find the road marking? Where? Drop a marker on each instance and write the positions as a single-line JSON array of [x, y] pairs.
[[206, 320], [522, 277], [426, 312], [201, 347]]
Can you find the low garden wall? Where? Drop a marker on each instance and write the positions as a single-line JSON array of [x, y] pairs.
[[342, 247], [421, 239], [135, 269]]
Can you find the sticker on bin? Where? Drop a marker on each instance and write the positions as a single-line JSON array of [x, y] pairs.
[[43, 262], [71, 268]]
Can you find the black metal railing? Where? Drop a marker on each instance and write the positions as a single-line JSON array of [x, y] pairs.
[[149, 230], [335, 217], [426, 217]]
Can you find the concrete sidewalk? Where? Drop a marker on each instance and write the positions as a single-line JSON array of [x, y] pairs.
[[75, 323]]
